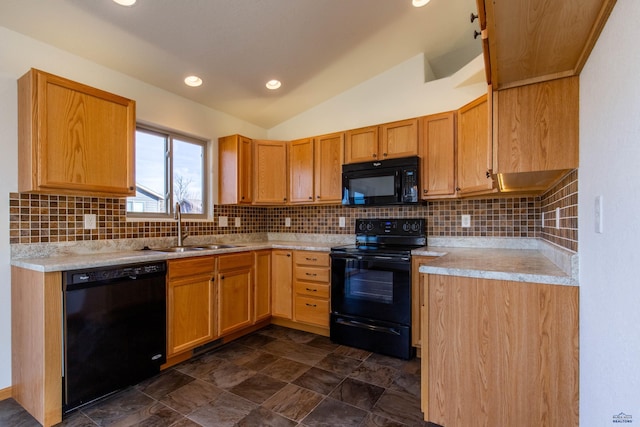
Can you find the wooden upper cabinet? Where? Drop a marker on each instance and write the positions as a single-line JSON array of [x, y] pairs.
[[438, 150], [535, 133], [399, 139], [475, 154], [301, 167], [74, 139], [540, 40], [361, 145], [329, 157], [235, 154], [270, 172]]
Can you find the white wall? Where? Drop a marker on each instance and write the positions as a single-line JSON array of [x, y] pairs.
[[17, 55], [400, 93], [610, 262]]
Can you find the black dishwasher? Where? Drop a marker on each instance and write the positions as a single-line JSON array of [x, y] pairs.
[[114, 329]]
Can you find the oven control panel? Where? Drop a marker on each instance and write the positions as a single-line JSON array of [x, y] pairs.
[[391, 227]]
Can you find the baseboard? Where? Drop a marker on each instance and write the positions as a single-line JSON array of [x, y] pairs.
[[300, 326], [5, 393]]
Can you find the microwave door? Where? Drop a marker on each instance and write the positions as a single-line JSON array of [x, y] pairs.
[[371, 188]]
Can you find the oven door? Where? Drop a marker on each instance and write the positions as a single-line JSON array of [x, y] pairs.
[[372, 286]]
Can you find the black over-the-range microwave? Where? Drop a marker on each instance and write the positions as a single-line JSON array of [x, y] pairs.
[[384, 182]]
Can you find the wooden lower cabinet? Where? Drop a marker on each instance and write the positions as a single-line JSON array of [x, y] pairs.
[[311, 280], [499, 353], [190, 303], [281, 283], [235, 292], [262, 285], [417, 299]]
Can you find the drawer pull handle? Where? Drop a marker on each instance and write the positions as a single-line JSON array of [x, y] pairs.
[[310, 305], [311, 259], [311, 274], [311, 290]]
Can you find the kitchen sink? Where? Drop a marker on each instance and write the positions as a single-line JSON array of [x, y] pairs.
[[215, 246], [194, 248]]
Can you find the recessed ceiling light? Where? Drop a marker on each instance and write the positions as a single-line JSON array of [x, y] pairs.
[[273, 84], [193, 81], [125, 2], [419, 3]]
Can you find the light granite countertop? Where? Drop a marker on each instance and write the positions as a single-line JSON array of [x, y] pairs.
[[520, 265]]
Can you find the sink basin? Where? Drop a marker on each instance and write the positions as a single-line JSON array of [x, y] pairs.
[[216, 246], [179, 249]]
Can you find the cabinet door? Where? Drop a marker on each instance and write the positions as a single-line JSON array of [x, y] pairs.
[[190, 312], [438, 155], [262, 285], [270, 175], [329, 158], [501, 328], [235, 305], [474, 148], [361, 145], [281, 284], [301, 171], [74, 139], [399, 139], [234, 169]]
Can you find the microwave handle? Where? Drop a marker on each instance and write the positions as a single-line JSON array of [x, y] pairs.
[[398, 181]]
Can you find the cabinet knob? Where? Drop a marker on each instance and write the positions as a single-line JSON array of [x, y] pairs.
[[131, 188], [221, 277], [288, 254], [473, 17], [310, 197], [317, 197], [488, 174], [384, 155], [375, 155], [285, 199], [242, 197], [457, 188], [425, 191], [476, 33]]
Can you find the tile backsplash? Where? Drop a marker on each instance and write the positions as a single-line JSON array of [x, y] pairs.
[[37, 218]]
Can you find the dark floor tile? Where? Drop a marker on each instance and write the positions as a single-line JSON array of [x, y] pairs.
[[235, 353], [263, 417], [120, 407], [74, 419], [373, 373], [400, 407], [285, 369], [12, 414], [287, 334], [323, 343], [157, 415], [259, 360], [319, 380], [164, 383], [201, 366], [408, 383], [295, 351], [354, 353], [342, 365], [226, 410], [391, 362], [258, 388], [412, 366], [332, 413], [186, 422], [357, 393], [255, 340], [228, 375], [192, 396], [373, 420], [293, 402]]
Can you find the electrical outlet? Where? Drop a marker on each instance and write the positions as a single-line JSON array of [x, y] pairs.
[[238, 222], [89, 221], [557, 218], [342, 222], [465, 221], [287, 222], [542, 219], [223, 221]]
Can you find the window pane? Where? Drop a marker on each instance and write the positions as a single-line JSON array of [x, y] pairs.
[[188, 174], [150, 174]]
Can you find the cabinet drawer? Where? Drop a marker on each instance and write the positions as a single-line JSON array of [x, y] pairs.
[[312, 310], [191, 266], [312, 289], [315, 274], [235, 261], [311, 258]]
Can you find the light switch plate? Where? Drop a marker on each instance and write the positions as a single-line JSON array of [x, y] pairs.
[[465, 221], [287, 222], [89, 221], [238, 221], [223, 221], [342, 222]]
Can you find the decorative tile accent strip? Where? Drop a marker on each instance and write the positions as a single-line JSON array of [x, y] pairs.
[[563, 195]]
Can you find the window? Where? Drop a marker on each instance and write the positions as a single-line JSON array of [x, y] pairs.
[[170, 169]]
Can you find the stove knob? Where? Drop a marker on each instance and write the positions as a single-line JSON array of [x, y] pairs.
[[415, 226], [406, 226], [369, 226], [361, 226]]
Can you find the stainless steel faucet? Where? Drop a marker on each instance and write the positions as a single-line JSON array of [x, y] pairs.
[[181, 235]]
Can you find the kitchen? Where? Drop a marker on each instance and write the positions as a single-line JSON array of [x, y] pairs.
[[605, 275]]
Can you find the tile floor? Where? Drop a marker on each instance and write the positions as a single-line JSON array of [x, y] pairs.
[[274, 377]]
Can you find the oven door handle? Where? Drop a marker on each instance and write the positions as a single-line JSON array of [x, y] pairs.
[[362, 325]]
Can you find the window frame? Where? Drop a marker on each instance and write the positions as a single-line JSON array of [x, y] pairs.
[[169, 136]]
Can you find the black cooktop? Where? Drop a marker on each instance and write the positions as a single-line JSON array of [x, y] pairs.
[[393, 236]]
